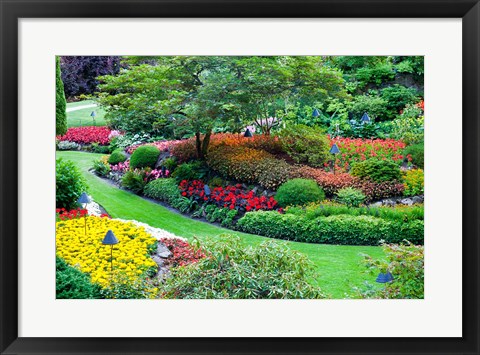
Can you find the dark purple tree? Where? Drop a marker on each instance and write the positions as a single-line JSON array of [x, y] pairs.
[[79, 73]]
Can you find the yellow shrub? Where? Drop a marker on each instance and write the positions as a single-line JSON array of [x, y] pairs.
[[413, 182]]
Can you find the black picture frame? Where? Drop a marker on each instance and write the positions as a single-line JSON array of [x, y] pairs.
[[11, 11]]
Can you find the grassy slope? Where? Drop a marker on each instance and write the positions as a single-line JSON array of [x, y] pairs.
[[82, 117], [339, 267]]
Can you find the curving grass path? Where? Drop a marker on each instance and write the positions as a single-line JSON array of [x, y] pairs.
[[80, 116], [339, 266]]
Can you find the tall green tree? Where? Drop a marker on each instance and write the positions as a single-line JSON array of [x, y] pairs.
[[61, 103], [198, 94]]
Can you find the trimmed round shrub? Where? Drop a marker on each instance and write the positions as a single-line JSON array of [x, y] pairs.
[[376, 170], [298, 192], [144, 156], [416, 151], [307, 145], [117, 156], [70, 184], [350, 197]]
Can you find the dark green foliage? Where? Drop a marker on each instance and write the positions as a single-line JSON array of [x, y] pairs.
[[376, 170], [144, 156], [101, 149], [191, 171], [224, 216], [232, 270], [170, 164], [117, 156], [417, 153], [70, 184], [405, 262], [297, 192], [307, 145], [61, 103], [396, 98], [133, 181], [167, 190], [337, 229], [71, 283]]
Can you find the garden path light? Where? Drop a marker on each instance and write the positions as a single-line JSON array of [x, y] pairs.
[[84, 200], [111, 240]]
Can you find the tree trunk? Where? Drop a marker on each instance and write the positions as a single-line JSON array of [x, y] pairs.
[[198, 145], [202, 145], [206, 143]]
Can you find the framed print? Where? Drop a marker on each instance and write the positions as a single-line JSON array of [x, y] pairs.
[[239, 177]]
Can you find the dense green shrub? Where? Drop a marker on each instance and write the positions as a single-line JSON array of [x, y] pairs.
[[117, 156], [298, 192], [397, 97], [144, 156], [336, 229], [304, 144], [196, 170], [224, 216], [374, 105], [350, 197], [71, 283], [416, 151], [70, 184], [133, 180], [61, 103], [101, 167], [398, 213], [100, 149], [406, 264], [376, 170], [166, 190], [232, 270]]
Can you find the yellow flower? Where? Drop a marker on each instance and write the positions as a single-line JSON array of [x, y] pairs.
[[91, 256]]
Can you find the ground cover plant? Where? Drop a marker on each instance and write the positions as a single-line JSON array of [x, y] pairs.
[[324, 154]]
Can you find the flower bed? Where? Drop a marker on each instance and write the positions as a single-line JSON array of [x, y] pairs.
[[130, 256], [182, 253], [331, 183], [87, 135], [64, 214], [353, 150], [232, 197]]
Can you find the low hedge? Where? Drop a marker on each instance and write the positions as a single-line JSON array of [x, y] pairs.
[[338, 229], [167, 190]]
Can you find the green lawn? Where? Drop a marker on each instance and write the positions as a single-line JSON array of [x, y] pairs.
[[339, 267], [82, 117]]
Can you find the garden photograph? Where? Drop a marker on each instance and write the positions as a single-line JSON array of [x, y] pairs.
[[239, 177]]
